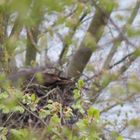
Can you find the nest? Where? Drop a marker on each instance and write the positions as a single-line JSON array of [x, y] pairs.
[[55, 91]]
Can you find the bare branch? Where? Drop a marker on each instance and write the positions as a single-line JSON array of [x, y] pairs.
[[122, 60], [120, 37], [72, 32], [120, 102]]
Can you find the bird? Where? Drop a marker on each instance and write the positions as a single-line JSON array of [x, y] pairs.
[[56, 80]]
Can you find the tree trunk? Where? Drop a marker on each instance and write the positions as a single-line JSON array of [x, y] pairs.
[[31, 50], [84, 52]]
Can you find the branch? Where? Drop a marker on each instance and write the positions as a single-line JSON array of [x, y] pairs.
[[120, 37], [97, 87], [84, 52], [32, 40], [71, 33], [31, 49], [36, 116], [122, 60], [122, 101], [27, 71], [17, 27]]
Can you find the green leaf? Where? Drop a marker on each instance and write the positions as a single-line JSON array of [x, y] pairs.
[[76, 93], [108, 5], [135, 122], [137, 52], [33, 97], [4, 95], [119, 138], [131, 32], [3, 133], [93, 112], [26, 99], [43, 113], [5, 110], [49, 106], [82, 124], [80, 84], [18, 109], [33, 106], [50, 101], [3, 137], [55, 119], [21, 134]]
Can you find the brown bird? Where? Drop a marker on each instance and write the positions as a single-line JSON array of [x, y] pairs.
[[56, 80]]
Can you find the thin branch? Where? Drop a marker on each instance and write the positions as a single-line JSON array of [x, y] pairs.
[[17, 27], [120, 37], [41, 120], [28, 71], [31, 38], [122, 60], [96, 93], [97, 88], [127, 137], [122, 101], [72, 32], [6, 121]]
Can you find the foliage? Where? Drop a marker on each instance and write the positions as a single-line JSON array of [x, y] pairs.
[[73, 97]]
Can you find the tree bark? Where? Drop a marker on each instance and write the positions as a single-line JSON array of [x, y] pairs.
[[31, 50], [84, 52]]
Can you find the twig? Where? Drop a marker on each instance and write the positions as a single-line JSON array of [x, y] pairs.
[[41, 120], [31, 38], [51, 91], [29, 82], [8, 118], [120, 61], [116, 103]]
